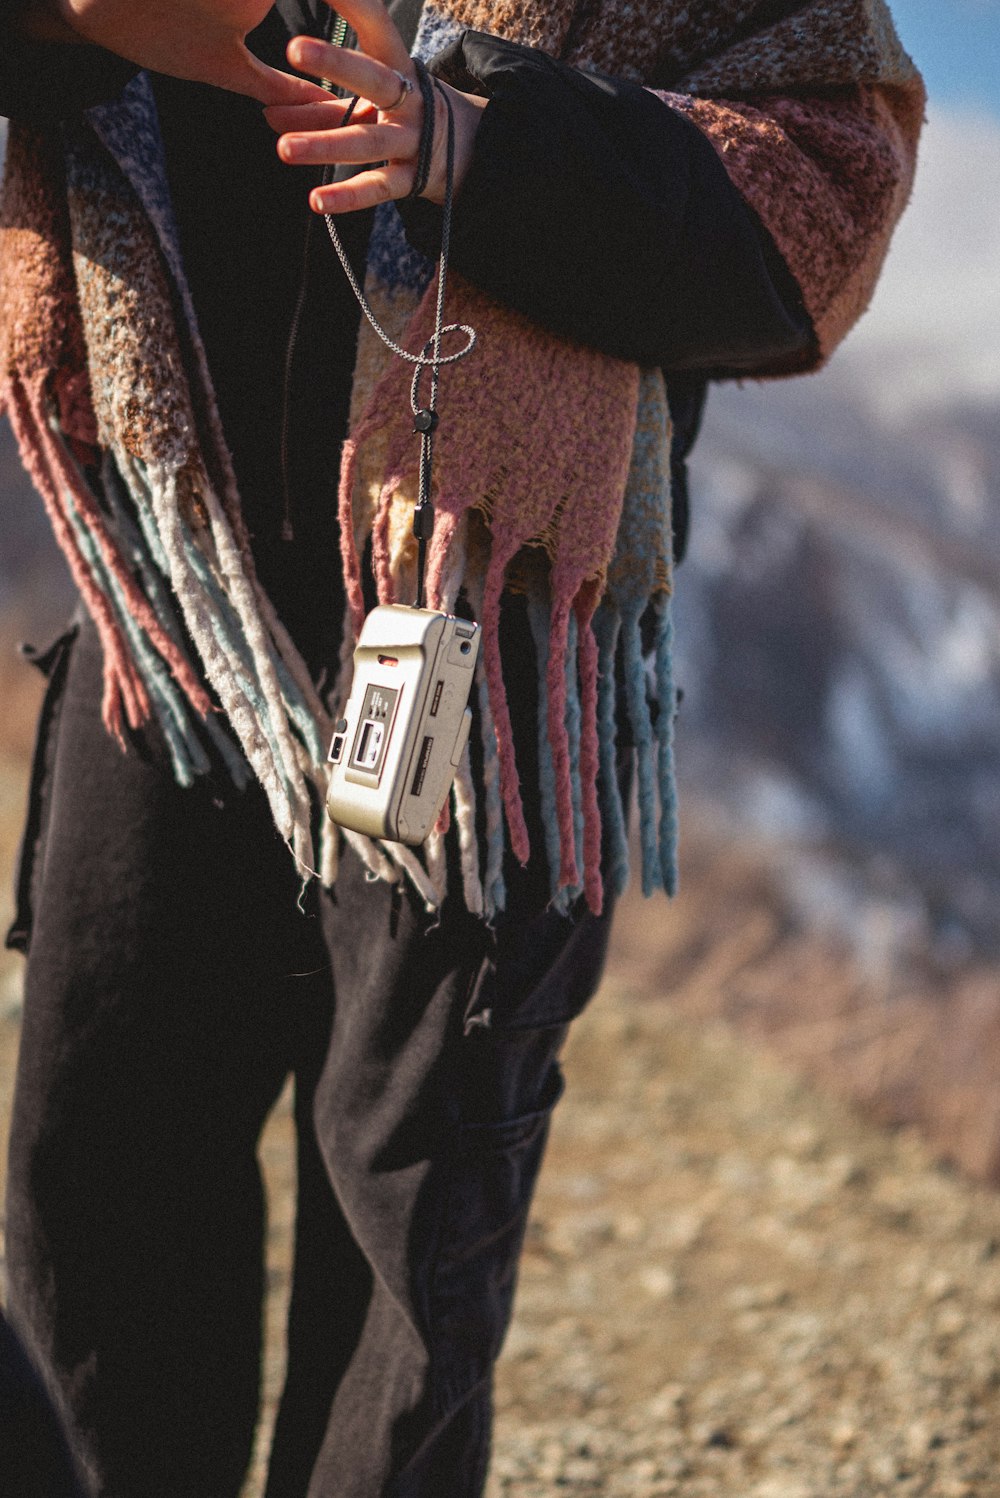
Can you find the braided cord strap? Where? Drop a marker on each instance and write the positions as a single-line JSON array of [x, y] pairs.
[[425, 418], [426, 147]]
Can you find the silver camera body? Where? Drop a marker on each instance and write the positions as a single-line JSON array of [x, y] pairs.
[[396, 749]]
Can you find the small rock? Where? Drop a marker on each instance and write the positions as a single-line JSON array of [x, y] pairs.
[[681, 1229], [844, 1170], [581, 1469], [781, 1487], [883, 1467], [667, 1403], [658, 1282], [757, 1297], [939, 1286], [521, 1343], [920, 1438]]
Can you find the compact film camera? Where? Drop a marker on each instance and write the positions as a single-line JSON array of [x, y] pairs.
[[395, 751]]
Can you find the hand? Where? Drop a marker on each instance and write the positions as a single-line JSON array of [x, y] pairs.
[[203, 40], [380, 130]]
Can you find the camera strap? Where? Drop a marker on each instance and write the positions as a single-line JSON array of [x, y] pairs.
[[425, 417]]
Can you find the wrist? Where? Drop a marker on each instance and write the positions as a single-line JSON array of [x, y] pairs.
[[467, 110]]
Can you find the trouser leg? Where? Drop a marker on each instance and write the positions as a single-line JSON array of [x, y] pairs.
[[162, 1015], [330, 1292], [35, 1461], [156, 1036], [432, 1113]]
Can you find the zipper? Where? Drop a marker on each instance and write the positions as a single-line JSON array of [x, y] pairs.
[[335, 32]]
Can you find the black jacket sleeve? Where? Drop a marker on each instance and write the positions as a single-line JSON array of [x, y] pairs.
[[44, 81], [603, 214]]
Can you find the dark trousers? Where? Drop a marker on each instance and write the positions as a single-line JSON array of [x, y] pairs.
[[173, 984], [35, 1461]]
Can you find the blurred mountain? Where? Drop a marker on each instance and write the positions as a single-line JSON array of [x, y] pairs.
[[839, 612], [839, 628]]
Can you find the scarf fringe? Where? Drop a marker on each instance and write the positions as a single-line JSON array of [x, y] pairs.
[[589, 756], [162, 557], [667, 698], [124, 698], [118, 552], [509, 778], [539, 618], [114, 558], [144, 554], [187, 756], [573, 722], [607, 627], [654, 747], [494, 886], [542, 437], [583, 662]]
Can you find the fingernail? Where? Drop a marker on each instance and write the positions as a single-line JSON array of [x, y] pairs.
[[289, 146]]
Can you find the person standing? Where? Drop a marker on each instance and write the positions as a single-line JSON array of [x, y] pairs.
[[646, 198]]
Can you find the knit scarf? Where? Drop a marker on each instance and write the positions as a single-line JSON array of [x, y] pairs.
[[552, 475]]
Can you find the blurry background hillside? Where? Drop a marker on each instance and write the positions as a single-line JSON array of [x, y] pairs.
[[839, 629], [840, 614]]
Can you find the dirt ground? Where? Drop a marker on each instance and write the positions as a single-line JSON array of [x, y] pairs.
[[734, 1284]]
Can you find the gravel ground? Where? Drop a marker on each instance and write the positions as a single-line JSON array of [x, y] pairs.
[[733, 1286]]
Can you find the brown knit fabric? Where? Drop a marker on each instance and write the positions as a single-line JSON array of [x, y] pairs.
[[832, 227], [814, 110]]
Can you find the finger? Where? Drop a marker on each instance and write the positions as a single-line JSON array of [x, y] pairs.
[[376, 33], [366, 190], [353, 71], [246, 74], [320, 116], [353, 144]]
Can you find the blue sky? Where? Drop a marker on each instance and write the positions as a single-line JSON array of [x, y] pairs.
[[956, 44]]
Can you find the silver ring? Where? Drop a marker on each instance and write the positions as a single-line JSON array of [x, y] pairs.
[[405, 88]]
